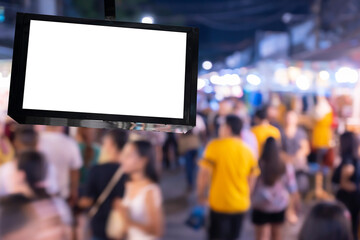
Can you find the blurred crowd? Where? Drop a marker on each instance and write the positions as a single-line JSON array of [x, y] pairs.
[[267, 163]]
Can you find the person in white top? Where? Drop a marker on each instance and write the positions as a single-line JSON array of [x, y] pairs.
[[141, 207], [63, 152]]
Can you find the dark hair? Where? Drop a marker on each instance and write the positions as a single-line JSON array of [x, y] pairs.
[[34, 165], [349, 146], [27, 136], [272, 167], [119, 137], [145, 149], [326, 221], [262, 113], [235, 124]]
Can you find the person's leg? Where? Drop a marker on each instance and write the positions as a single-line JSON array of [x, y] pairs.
[[165, 149], [302, 179], [260, 220], [193, 155], [190, 157], [188, 170], [291, 213], [220, 226], [236, 223], [262, 232], [172, 157], [354, 211], [176, 152], [214, 225], [276, 231]]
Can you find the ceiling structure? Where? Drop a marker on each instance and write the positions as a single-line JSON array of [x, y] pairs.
[[226, 26]]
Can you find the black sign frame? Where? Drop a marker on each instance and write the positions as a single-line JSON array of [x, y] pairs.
[[33, 116]]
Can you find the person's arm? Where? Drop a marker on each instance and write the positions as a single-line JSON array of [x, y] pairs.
[[304, 149], [203, 183], [87, 200], [206, 167], [286, 157], [292, 186], [75, 164], [74, 186], [253, 173], [346, 172], [51, 179], [252, 182]]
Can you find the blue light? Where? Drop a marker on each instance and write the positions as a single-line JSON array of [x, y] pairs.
[[214, 105], [2, 14]]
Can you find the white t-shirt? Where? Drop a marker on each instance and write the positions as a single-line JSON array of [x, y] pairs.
[[5, 171], [63, 152]]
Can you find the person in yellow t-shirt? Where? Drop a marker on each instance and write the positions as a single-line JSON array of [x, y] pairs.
[[263, 130], [321, 141], [322, 133], [229, 168]]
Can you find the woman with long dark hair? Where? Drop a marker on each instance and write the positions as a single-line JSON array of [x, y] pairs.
[[271, 194], [141, 207], [349, 178]]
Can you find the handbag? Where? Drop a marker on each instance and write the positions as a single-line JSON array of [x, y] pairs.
[[115, 226]]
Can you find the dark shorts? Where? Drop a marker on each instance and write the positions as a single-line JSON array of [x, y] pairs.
[[225, 226], [260, 217]]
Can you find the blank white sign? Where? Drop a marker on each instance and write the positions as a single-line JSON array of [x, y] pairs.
[[110, 70]]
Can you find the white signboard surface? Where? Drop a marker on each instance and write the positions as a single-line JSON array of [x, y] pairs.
[[107, 70]]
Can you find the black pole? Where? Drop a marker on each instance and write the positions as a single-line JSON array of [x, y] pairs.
[[110, 9]]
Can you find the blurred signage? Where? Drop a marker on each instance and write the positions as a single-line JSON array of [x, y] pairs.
[[273, 44]]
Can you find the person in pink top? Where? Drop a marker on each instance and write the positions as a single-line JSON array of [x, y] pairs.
[[272, 191]]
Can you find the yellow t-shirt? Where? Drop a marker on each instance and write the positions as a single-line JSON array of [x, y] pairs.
[[9, 155], [231, 162], [322, 133], [263, 132], [281, 113]]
